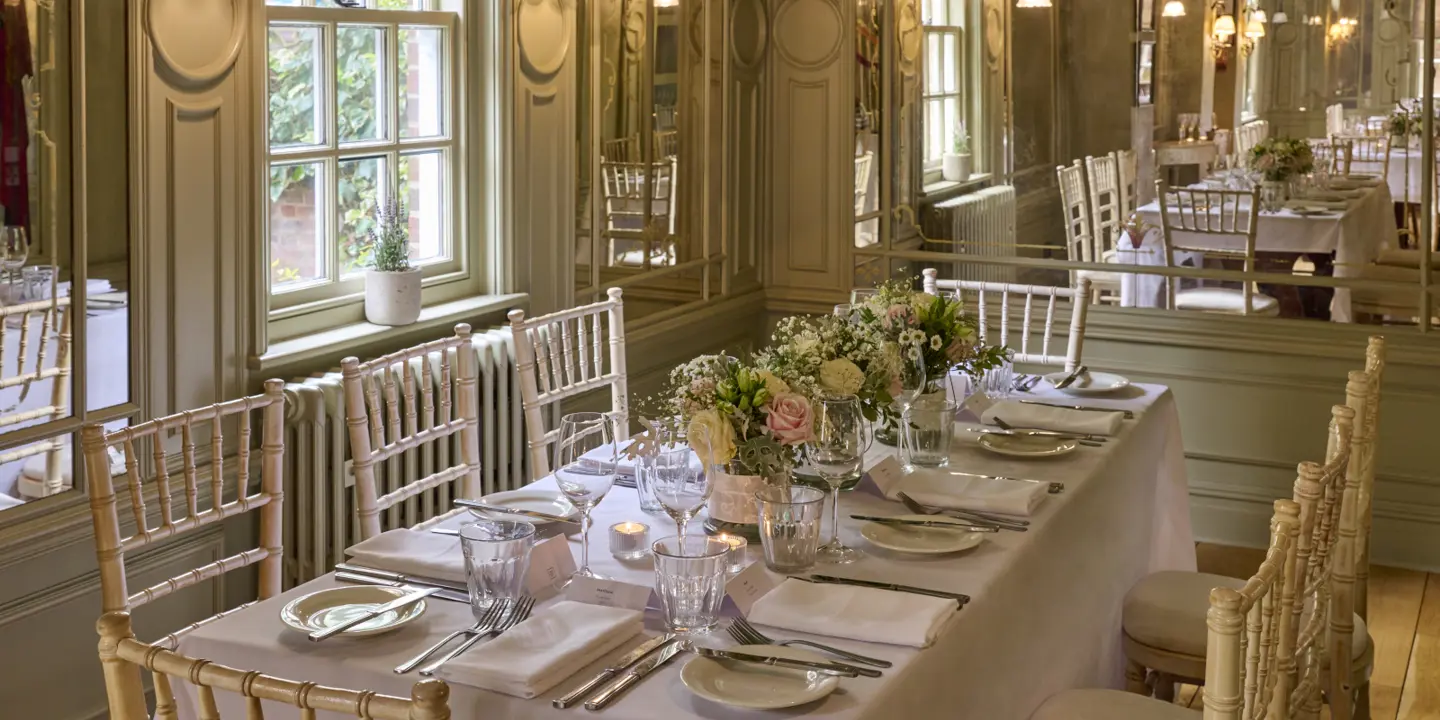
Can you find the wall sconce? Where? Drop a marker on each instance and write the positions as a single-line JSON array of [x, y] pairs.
[[1342, 30], [1033, 4], [1222, 37], [1258, 15], [1173, 9]]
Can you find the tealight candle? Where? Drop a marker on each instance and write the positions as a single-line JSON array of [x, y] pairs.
[[629, 540], [736, 556]]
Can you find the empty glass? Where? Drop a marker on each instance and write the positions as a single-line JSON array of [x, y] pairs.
[[690, 575], [998, 382], [929, 425], [497, 556], [584, 470], [835, 453], [790, 527], [680, 485]]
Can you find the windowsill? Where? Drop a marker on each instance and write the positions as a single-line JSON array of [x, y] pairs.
[[944, 188], [344, 340]]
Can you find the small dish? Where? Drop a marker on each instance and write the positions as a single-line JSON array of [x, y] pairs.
[[1027, 446], [920, 540], [1090, 383], [542, 501], [327, 608], [759, 687]]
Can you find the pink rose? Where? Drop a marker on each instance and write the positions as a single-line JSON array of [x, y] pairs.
[[958, 350], [788, 417]]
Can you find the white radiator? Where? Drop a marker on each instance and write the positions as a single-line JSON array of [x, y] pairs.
[[319, 503], [982, 223]]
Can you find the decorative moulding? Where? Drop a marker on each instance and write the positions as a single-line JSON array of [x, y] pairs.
[[197, 39], [542, 31], [908, 35], [747, 17], [804, 28]]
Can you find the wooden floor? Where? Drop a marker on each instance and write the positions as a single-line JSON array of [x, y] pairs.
[[1404, 623]]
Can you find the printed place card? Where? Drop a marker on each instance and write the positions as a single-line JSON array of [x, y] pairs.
[[747, 586], [885, 476], [551, 563], [977, 404], [610, 593]]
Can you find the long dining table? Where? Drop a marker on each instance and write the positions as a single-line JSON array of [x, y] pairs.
[[1044, 614]]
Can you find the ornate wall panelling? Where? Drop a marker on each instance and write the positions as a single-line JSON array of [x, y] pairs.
[[745, 232]]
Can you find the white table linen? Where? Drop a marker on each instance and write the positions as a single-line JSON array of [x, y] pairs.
[[858, 613], [411, 552], [1044, 614], [938, 487], [1085, 422]]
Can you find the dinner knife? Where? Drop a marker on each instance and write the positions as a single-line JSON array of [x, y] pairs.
[[1129, 414], [398, 577], [624, 664], [443, 594], [927, 523], [641, 669], [823, 668], [476, 505], [1070, 379], [396, 604], [832, 580]]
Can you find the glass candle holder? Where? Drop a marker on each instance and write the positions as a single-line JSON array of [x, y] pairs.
[[736, 556], [629, 540]]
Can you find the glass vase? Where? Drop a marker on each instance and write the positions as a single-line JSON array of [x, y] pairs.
[[733, 508], [1273, 194]]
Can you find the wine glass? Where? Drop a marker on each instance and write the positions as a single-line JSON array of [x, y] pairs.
[[912, 382], [836, 453], [585, 469], [14, 248], [681, 486]]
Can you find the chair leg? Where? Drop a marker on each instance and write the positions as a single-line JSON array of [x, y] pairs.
[[1164, 687], [1135, 678], [1362, 701]]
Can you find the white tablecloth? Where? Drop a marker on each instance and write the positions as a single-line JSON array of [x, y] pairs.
[[1045, 614]]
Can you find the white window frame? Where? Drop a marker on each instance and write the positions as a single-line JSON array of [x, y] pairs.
[[964, 88]]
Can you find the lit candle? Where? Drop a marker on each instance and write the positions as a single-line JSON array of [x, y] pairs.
[[629, 540], [736, 555]]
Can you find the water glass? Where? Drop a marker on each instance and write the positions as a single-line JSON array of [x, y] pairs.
[[790, 527], [645, 484], [680, 485], [998, 382], [929, 426], [497, 557], [585, 470], [690, 575]]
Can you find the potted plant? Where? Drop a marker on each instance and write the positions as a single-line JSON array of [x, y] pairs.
[[955, 165], [392, 286]]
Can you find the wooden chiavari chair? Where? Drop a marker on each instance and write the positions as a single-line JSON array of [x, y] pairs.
[[1201, 214], [122, 657], [1106, 219], [1127, 167], [1033, 295], [52, 319], [1075, 204], [558, 357], [863, 164], [377, 432], [1371, 150]]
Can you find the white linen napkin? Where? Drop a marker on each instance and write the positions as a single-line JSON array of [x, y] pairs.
[[857, 613], [541, 652], [1084, 422], [412, 552], [625, 466], [939, 488]]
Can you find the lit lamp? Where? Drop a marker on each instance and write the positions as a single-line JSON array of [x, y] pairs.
[[1032, 3], [1173, 9], [1223, 33], [1254, 30], [1259, 16]]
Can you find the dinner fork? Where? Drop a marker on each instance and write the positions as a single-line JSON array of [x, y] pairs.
[[748, 634], [1086, 440], [999, 523], [487, 620], [519, 610]]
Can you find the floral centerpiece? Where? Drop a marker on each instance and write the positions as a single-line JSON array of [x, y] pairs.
[[1406, 121], [830, 355], [1280, 159], [932, 328]]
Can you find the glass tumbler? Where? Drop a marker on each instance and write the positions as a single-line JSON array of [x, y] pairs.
[[497, 557], [997, 382], [929, 427], [645, 484], [690, 575], [790, 527]]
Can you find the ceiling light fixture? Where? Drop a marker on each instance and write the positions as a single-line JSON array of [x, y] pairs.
[[1033, 4], [1173, 9]]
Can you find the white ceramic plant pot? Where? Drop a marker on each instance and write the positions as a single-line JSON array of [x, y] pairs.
[[955, 168], [392, 298]]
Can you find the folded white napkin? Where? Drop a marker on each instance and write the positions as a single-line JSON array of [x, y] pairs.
[[857, 613], [1084, 422], [625, 466], [412, 552], [539, 653], [940, 488]]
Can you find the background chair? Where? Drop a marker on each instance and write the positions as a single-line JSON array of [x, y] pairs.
[[1106, 220], [1197, 216], [50, 321], [1373, 151], [1079, 298]]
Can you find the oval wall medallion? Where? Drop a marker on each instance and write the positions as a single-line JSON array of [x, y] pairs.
[[1389, 30], [809, 33], [908, 35], [634, 28], [544, 35], [748, 33], [198, 39], [994, 33]]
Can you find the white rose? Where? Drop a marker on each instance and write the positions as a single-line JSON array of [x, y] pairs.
[[711, 437], [773, 384], [841, 376]]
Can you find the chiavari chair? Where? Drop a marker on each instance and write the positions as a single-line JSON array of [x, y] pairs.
[[1203, 218], [1029, 298], [50, 321], [1106, 220]]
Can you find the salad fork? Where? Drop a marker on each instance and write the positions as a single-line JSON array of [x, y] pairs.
[[747, 634], [998, 523], [484, 624], [518, 611]]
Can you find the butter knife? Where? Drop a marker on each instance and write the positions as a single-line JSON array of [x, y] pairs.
[[624, 664], [927, 523], [374, 612], [474, 505], [1070, 379], [823, 668], [1129, 415], [399, 577], [443, 594], [832, 580], [641, 669]]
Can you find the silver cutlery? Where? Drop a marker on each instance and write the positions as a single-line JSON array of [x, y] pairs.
[[1086, 440], [1055, 487], [1018, 384], [518, 611], [400, 577], [443, 594], [927, 523], [1034, 380], [997, 522], [823, 668], [487, 620], [476, 505], [637, 673], [399, 603], [1071, 378], [624, 664], [1129, 414], [445, 531], [742, 630], [831, 580]]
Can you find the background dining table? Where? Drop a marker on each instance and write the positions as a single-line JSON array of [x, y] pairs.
[[1044, 614]]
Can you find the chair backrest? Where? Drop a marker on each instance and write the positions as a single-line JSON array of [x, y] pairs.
[[122, 657], [1079, 231], [1365, 149], [1188, 215], [1127, 166], [1105, 218], [621, 150], [559, 357], [377, 432], [1079, 298], [1250, 630], [863, 163], [111, 548], [50, 321], [1334, 153], [667, 143], [626, 185], [1375, 368]]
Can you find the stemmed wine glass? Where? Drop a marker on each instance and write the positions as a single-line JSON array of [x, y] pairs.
[[14, 249], [912, 383], [681, 486], [836, 453], [585, 469]]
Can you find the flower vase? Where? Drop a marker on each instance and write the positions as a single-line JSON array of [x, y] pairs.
[[733, 508], [1273, 194]]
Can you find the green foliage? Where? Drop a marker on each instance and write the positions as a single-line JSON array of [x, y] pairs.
[[388, 244]]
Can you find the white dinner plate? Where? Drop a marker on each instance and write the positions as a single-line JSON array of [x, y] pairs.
[[750, 685], [1091, 383], [544, 501], [328, 608], [920, 540], [1027, 446]]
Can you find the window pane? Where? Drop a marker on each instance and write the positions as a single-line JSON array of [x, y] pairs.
[[295, 62], [423, 187], [359, 188], [950, 62], [422, 79], [934, 130], [297, 246], [400, 4], [932, 63], [284, 2], [359, 57]]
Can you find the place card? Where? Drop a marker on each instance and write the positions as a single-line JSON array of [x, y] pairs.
[[551, 563], [884, 477], [745, 588], [977, 404], [610, 593]]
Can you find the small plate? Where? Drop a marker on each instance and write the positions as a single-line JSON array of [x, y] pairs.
[[1029, 446], [760, 687], [920, 540], [548, 502], [1091, 383], [327, 608], [1314, 212]]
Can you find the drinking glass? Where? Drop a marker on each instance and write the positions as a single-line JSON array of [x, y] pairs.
[[14, 248], [998, 382], [585, 480], [836, 453], [929, 426], [497, 556], [680, 486], [666, 437], [790, 527], [690, 577]]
